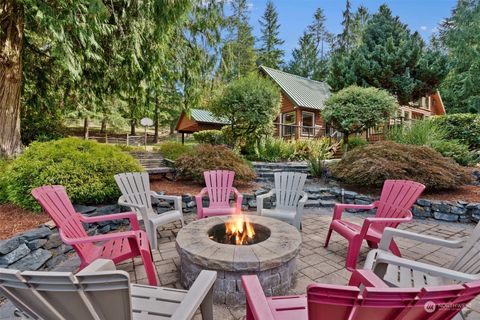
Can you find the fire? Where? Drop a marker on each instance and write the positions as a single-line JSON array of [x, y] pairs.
[[240, 229]]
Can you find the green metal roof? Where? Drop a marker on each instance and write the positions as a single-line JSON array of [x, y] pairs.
[[302, 91], [206, 116]]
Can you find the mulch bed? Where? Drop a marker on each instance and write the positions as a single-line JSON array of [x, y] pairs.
[[14, 219]]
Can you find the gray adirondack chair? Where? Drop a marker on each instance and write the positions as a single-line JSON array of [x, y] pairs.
[[290, 198], [402, 272], [136, 194], [99, 292]]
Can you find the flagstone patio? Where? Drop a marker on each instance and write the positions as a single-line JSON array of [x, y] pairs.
[[315, 263]]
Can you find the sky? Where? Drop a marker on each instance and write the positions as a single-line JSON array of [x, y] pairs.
[[294, 15]]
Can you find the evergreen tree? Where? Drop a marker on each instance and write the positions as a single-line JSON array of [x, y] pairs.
[[269, 53], [360, 19], [321, 37], [461, 35], [391, 58], [347, 37], [238, 54], [304, 57]]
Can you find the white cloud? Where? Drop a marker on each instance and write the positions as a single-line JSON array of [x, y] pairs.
[[423, 28]]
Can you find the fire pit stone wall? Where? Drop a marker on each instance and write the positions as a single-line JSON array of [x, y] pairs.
[[272, 260]]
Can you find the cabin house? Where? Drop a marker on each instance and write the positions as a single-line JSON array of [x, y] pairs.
[[302, 101]]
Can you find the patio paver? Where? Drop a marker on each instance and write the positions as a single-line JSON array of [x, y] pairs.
[[314, 264]]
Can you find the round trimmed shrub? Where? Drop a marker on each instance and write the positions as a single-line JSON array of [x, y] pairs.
[[84, 168], [206, 157], [371, 165]]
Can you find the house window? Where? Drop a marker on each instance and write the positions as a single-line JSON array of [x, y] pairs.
[[289, 120], [308, 123]]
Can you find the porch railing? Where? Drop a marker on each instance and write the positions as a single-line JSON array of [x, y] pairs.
[[293, 131]]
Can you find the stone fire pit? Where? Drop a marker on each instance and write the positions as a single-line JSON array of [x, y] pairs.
[[272, 260]]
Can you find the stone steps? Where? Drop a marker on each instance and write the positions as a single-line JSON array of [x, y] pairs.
[[266, 170]]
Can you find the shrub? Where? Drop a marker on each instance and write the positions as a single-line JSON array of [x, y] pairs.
[[3, 185], [174, 150], [355, 142], [420, 133], [214, 137], [274, 150], [372, 165], [355, 109], [455, 150], [250, 104], [206, 157], [316, 162], [464, 127], [85, 168], [429, 133]]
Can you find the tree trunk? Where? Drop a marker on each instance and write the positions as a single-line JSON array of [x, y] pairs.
[[155, 122], [11, 46], [103, 128], [132, 127], [85, 128]]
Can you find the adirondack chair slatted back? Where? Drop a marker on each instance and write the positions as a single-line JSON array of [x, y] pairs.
[[288, 188], [219, 185], [62, 295], [397, 197], [337, 302], [54, 200], [468, 259], [135, 188]]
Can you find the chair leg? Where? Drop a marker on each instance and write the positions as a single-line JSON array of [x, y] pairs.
[[183, 221], [149, 268], [152, 235], [352, 253], [329, 234], [207, 306], [394, 248]]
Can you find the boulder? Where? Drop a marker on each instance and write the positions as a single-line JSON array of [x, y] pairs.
[[53, 241], [35, 244], [11, 244], [84, 209], [37, 233], [33, 261], [445, 216], [424, 202], [15, 255]]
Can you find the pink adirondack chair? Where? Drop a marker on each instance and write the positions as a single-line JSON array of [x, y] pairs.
[[117, 246], [393, 208], [376, 301], [219, 187]]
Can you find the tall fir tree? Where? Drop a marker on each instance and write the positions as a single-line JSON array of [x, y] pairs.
[[321, 38], [269, 53], [392, 58], [360, 19], [238, 53], [304, 57], [460, 34], [347, 38]]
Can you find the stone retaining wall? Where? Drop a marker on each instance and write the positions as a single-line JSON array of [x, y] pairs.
[[42, 248]]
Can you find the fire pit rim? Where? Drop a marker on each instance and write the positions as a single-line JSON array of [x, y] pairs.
[[192, 242]]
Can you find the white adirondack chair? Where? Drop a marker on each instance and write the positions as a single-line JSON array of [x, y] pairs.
[[290, 198], [101, 292], [401, 272], [136, 194]]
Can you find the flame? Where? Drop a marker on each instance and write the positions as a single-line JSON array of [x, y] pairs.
[[239, 228]]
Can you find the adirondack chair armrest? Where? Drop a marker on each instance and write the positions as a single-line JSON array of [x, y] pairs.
[[390, 233], [116, 216], [340, 207], [378, 221], [97, 238], [302, 201], [201, 288], [177, 200], [257, 303], [386, 258], [199, 198], [366, 278], [260, 199], [97, 266]]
